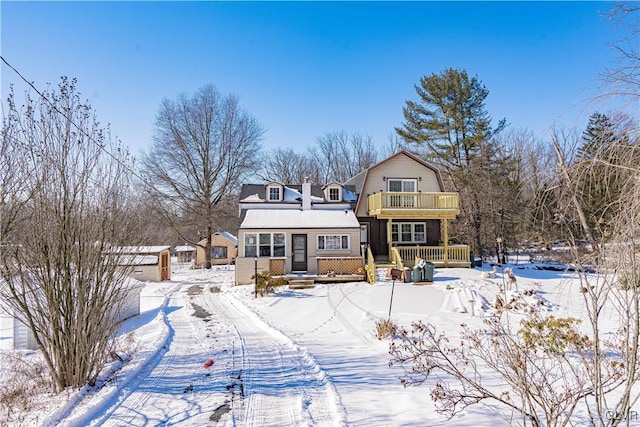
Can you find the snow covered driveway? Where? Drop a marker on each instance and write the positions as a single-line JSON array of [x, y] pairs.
[[281, 383], [259, 376], [174, 388]]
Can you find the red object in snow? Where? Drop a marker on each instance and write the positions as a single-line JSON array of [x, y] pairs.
[[208, 364]]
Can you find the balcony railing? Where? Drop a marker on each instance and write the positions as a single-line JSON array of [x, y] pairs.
[[453, 256], [418, 205]]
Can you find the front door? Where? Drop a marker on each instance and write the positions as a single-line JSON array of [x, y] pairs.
[[164, 266], [299, 255]]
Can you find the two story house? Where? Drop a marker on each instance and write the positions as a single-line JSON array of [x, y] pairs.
[[390, 214]]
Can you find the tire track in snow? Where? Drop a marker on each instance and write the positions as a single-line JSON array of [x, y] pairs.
[[173, 389], [283, 385]]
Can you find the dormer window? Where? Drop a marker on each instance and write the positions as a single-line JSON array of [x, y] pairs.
[[332, 192], [335, 194], [274, 193]]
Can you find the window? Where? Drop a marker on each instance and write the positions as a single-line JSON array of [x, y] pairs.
[[333, 242], [264, 244], [274, 194], [219, 252], [250, 245], [402, 186], [334, 194], [408, 232]]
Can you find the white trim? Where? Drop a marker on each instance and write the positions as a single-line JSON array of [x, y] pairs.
[[280, 193], [256, 236], [339, 237], [413, 232], [339, 193]]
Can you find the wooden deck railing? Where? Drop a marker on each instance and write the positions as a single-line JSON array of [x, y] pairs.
[[454, 255], [396, 258], [393, 200], [371, 267]]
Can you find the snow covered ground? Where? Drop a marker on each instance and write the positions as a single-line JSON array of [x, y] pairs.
[[304, 357]]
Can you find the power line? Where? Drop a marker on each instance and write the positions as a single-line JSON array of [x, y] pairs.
[[89, 137]]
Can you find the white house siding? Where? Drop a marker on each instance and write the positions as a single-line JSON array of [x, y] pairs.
[[310, 222], [245, 266]]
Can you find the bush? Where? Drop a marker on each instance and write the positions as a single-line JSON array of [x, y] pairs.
[[627, 283], [266, 284], [24, 382], [385, 328]]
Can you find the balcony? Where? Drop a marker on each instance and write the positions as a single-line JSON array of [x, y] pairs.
[[414, 205]]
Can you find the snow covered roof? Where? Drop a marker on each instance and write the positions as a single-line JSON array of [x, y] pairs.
[[255, 193], [253, 198], [138, 260], [228, 236], [130, 283], [185, 248], [291, 195], [290, 218], [140, 249], [349, 196]]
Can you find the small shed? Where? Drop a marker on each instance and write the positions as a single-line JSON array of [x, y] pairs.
[[147, 263], [185, 253], [23, 338], [224, 249]]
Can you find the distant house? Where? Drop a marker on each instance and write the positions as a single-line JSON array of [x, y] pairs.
[[147, 263], [23, 338], [224, 249], [185, 253], [297, 229]]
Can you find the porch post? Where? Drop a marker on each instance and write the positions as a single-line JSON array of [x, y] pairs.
[[446, 242], [389, 239]]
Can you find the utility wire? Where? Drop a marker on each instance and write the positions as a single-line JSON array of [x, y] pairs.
[[89, 137]]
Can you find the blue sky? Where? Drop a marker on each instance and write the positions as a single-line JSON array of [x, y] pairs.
[[306, 68]]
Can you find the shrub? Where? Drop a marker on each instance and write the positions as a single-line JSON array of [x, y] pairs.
[[627, 283], [266, 284], [385, 328], [24, 382]]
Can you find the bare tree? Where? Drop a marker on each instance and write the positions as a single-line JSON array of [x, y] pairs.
[[343, 155], [14, 192], [290, 167], [616, 290], [204, 146], [59, 274], [623, 79]]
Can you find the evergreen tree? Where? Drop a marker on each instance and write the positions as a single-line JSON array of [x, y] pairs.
[[598, 180], [450, 117], [451, 121]]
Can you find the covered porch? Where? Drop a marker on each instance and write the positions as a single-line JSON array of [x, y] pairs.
[[395, 206]]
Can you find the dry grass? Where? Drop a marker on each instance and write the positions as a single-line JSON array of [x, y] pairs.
[[24, 380], [385, 328]]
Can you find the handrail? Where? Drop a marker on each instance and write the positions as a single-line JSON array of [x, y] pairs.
[[370, 267], [396, 258]]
